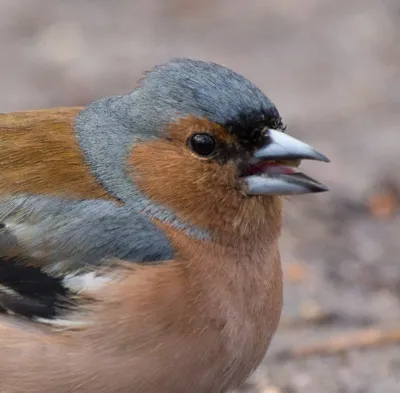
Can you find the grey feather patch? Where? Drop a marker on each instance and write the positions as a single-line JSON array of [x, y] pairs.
[[79, 233]]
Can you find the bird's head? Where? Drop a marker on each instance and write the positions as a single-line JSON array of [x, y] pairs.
[[199, 142]]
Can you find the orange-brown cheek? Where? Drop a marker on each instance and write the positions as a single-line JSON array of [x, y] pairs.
[[170, 175]]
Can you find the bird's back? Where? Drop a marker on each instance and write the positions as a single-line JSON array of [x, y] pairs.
[[40, 155]]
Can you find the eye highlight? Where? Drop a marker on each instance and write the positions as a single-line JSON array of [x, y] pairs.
[[202, 144]]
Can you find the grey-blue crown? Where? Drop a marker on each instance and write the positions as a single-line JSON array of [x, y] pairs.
[[183, 86]]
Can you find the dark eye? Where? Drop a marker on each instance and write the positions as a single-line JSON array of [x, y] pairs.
[[202, 144]]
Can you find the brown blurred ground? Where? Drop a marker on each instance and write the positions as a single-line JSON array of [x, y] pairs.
[[332, 68]]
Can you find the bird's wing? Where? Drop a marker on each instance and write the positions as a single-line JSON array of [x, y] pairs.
[[45, 241], [67, 232]]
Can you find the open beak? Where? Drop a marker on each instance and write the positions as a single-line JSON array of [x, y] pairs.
[[273, 169]]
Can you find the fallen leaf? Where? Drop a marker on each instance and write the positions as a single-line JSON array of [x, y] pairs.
[[383, 204], [296, 272]]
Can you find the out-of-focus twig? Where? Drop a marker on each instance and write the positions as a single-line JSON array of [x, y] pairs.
[[324, 318], [360, 339], [316, 319]]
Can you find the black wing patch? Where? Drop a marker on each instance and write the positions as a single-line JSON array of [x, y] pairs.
[[28, 291]]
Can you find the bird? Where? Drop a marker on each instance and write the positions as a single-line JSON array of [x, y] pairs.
[[139, 235]]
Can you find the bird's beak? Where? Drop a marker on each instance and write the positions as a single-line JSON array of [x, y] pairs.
[[273, 171]]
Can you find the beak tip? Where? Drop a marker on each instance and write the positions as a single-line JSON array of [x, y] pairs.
[[320, 188], [323, 158]]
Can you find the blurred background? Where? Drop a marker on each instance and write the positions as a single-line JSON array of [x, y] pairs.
[[332, 68]]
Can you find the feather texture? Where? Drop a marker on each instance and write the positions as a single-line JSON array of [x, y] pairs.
[[30, 292], [71, 235]]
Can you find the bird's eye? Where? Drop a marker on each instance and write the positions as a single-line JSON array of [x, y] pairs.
[[202, 144]]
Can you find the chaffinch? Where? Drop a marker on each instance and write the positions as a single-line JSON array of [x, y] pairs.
[[139, 236]]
